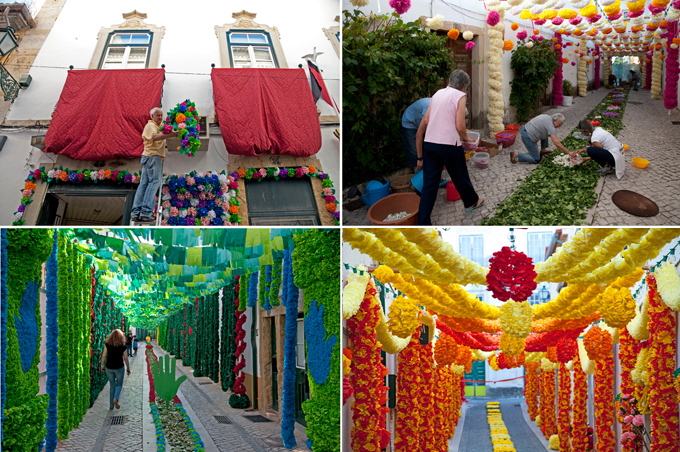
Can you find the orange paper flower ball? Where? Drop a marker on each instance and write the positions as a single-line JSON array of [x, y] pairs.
[[508, 45], [565, 60], [676, 41], [233, 209], [453, 34], [536, 32], [312, 170], [31, 186], [598, 343], [331, 207], [514, 27], [647, 60], [181, 118], [663, 57], [658, 47]]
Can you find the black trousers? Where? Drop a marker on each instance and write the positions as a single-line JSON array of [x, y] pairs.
[[601, 156], [435, 158]]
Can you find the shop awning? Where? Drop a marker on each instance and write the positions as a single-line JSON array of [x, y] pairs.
[[101, 113], [266, 111]]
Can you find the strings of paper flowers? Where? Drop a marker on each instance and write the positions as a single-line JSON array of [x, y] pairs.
[[184, 118], [408, 397], [564, 408], [579, 434]]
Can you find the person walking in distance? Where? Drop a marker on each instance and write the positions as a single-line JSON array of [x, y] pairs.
[[114, 355]]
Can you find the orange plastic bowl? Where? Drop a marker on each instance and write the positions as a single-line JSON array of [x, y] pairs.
[[640, 163], [512, 127]]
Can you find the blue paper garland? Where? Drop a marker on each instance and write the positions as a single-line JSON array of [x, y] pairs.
[[252, 289], [52, 342], [289, 353], [27, 325], [3, 325], [319, 349]]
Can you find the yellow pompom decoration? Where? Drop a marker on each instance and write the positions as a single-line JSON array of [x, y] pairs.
[[668, 284], [588, 11], [511, 346], [516, 318], [567, 14], [548, 14], [403, 317], [638, 326], [636, 6], [618, 307], [554, 442], [640, 374]]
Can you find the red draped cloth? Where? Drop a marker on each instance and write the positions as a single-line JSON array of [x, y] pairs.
[[101, 113], [266, 111]]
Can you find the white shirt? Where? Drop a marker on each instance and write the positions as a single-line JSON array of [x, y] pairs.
[[613, 145]]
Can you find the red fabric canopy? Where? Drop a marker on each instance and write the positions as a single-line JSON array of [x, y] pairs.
[[266, 111], [101, 113]]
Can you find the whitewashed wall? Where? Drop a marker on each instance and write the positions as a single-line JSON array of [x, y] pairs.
[[188, 49]]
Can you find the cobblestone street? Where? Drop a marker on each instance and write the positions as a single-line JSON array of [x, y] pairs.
[[201, 397], [648, 132]]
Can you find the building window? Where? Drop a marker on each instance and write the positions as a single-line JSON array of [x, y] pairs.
[[248, 44], [301, 358], [537, 244], [133, 44], [251, 49], [472, 247], [127, 51]]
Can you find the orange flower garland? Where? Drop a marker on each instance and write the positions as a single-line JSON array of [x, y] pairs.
[[367, 434], [408, 394], [426, 399], [627, 357], [676, 383], [445, 350], [598, 343], [531, 388], [604, 403], [464, 358], [662, 399], [548, 422], [552, 354], [579, 433], [463, 325], [456, 399], [564, 413]]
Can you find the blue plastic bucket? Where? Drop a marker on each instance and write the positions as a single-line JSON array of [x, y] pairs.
[[375, 191], [417, 182]]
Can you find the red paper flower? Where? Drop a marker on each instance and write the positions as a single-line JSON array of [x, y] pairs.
[[511, 275]]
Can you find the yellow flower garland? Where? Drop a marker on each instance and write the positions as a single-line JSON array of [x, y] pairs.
[[353, 294], [617, 307], [403, 317], [638, 326], [572, 253], [668, 284], [573, 302], [640, 374], [516, 318], [428, 240], [511, 346]]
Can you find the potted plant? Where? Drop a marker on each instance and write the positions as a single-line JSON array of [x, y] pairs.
[[567, 91]]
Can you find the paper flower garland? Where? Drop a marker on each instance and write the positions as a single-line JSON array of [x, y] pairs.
[[656, 72], [511, 275], [516, 318], [557, 76], [582, 78], [496, 109], [566, 349], [547, 406], [408, 397], [579, 434], [511, 346], [564, 408], [184, 118], [531, 388], [668, 284], [598, 343]]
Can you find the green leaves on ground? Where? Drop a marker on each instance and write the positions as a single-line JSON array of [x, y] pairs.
[[387, 65], [553, 194]]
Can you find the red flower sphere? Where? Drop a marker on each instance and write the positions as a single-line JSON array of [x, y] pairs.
[[511, 275], [566, 349]]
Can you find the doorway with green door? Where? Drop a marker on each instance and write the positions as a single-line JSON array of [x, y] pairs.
[[477, 374]]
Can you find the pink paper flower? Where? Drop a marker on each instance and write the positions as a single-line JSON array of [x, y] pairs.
[[224, 188], [80, 177], [327, 191], [201, 196], [165, 204], [102, 174], [628, 419], [522, 35], [305, 170], [190, 181], [135, 179], [210, 196], [164, 222], [26, 193], [263, 172], [174, 211], [493, 18], [638, 420], [58, 172], [469, 46], [230, 178], [233, 186], [625, 436], [180, 196], [400, 6], [166, 190], [205, 221]]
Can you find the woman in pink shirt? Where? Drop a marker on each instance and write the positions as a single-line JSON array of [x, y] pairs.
[[439, 144]]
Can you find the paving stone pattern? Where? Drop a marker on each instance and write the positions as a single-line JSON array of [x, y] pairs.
[[648, 132], [94, 435], [207, 401]]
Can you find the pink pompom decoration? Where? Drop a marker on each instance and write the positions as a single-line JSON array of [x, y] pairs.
[[576, 20], [493, 18], [618, 16], [539, 22], [135, 179], [181, 125], [573, 63], [522, 35], [557, 21], [400, 6], [534, 38], [540, 38], [469, 46], [165, 204], [595, 18], [26, 193]]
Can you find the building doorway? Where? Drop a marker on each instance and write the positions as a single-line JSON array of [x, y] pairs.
[[286, 202], [463, 59], [77, 205]]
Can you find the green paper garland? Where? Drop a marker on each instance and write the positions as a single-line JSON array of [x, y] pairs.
[[227, 361], [274, 299], [316, 270], [262, 285]]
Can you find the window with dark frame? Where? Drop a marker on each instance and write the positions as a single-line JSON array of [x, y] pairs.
[[127, 50], [251, 49]]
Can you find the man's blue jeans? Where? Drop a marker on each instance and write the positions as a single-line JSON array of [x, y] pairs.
[[408, 136], [152, 177], [115, 382], [534, 155]]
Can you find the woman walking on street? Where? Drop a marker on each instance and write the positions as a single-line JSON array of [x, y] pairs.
[[116, 351]]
